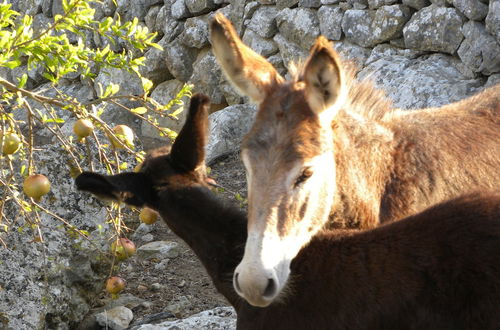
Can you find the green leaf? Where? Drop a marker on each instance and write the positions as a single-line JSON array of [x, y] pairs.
[[22, 81], [139, 110]]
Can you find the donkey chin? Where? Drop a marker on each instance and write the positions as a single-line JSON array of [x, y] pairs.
[[261, 277]]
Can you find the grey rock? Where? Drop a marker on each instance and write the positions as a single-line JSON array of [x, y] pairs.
[[434, 28], [374, 4], [155, 67], [300, 26], [310, 3], [442, 3], [282, 4], [479, 50], [416, 4], [352, 52], [493, 19], [179, 9], [330, 2], [267, 2], [227, 128], [147, 238], [128, 9], [368, 28], [330, 22], [250, 9], [180, 59], [142, 230], [473, 9], [159, 250], [264, 47], [150, 18], [162, 265], [124, 299], [358, 4], [30, 7], [197, 7], [386, 51], [289, 51], [219, 318], [195, 32], [117, 318], [163, 93], [47, 7], [492, 80], [428, 81], [206, 76], [263, 22]]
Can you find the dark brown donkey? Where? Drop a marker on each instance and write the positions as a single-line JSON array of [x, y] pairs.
[[326, 147], [436, 270]]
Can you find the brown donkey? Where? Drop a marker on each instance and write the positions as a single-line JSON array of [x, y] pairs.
[[439, 269], [326, 150]]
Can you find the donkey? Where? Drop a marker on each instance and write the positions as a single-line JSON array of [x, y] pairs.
[[326, 150], [436, 270]]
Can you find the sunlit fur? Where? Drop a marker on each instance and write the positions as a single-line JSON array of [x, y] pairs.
[[439, 269], [384, 163]]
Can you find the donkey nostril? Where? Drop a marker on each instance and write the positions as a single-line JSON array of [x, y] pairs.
[[236, 284], [270, 290]]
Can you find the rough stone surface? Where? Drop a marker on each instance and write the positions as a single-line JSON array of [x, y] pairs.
[[434, 28], [493, 19], [197, 7], [428, 81], [227, 128], [300, 26], [155, 67], [180, 59], [163, 93], [263, 22], [281, 4], [220, 318], [195, 32], [264, 47], [206, 76], [330, 22], [117, 318], [416, 4], [368, 28], [309, 3], [479, 50], [473, 9], [290, 52], [179, 9], [374, 4], [159, 250]]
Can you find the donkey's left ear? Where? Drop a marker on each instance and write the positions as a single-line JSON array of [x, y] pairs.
[[130, 188], [324, 79]]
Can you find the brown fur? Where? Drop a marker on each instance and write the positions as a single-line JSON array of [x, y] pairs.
[[439, 269]]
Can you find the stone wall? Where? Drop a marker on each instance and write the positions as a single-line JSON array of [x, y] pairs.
[[424, 53]]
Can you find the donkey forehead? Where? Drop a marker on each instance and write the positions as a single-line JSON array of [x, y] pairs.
[[285, 128]]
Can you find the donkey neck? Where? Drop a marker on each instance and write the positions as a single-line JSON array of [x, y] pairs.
[[363, 149], [214, 231]]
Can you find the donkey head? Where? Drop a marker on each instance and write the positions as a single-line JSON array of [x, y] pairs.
[[181, 166], [287, 154]]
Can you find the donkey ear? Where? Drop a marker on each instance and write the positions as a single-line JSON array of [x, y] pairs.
[[130, 188], [247, 71], [324, 79], [188, 151]]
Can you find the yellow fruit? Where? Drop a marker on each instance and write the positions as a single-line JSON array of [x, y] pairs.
[[10, 143], [124, 134], [148, 216], [123, 248], [115, 284], [83, 128], [36, 186]]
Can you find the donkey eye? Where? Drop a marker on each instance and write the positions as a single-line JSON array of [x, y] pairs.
[[306, 174]]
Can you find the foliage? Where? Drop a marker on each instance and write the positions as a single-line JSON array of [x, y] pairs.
[[61, 52]]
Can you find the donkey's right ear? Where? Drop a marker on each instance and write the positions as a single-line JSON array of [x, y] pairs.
[[247, 71], [131, 188], [188, 150]]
